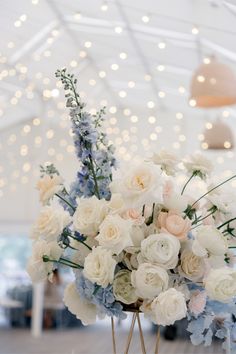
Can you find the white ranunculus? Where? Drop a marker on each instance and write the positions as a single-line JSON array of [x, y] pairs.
[[209, 241], [175, 201], [123, 290], [220, 284], [48, 186], [149, 280], [199, 164], [168, 307], [89, 214], [50, 223], [37, 269], [167, 160], [115, 233], [161, 249], [80, 307], [140, 184], [191, 266], [99, 266], [223, 199]]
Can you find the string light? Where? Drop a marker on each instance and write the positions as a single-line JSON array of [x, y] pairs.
[[195, 30], [145, 18], [88, 44], [123, 56], [161, 45], [114, 67], [160, 67], [104, 6], [118, 29], [151, 104]]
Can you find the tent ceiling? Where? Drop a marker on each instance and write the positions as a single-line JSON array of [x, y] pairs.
[[135, 57]]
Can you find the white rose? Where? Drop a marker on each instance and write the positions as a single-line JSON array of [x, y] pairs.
[[37, 269], [138, 235], [140, 184], [123, 289], [115, 234], [168, 307], [167, 160], [81, 251], [99, 266], [81, 308], [48, 186], [191, 266], [116, 203], [89, 214], [161, 249], [220, 284], [50, 223], [209, 241], [149, 280], [199, 164]]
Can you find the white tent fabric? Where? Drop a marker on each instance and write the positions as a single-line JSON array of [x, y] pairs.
[[135, 57]]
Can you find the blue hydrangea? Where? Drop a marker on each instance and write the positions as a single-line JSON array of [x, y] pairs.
[[103, 298], [218, 319]]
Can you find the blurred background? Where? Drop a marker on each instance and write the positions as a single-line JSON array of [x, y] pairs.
[[165, 70]]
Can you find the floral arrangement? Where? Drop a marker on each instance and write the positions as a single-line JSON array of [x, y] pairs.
[[137, 241]]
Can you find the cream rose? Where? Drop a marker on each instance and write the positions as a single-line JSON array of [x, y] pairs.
[[37, 269], [167, 160], [220, 284], [115, 234], [48, 186], [168, 307], [123, 289], [99, 266], [89, 214], [80, 307], [149, 280], [209, 241], [191, 266], [174, 224], [161, 249], [50, 223], [140, 184]]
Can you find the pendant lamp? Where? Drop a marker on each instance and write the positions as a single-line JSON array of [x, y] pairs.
[[220, 136], [213, 85]]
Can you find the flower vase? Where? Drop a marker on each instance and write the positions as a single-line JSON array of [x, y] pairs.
[[135, 319]]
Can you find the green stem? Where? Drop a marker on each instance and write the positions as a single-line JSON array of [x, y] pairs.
[[66, 201], [211, 190], [184, 187], [80, 241], [205, 217], [63, 261], [94, 178], [225, 223]]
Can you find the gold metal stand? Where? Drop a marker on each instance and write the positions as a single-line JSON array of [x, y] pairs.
[[130, 335]]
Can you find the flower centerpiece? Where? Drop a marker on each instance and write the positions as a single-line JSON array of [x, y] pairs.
[[137, 242]]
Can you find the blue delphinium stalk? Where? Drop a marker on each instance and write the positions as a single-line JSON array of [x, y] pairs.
[[103, 298], [92, 148]]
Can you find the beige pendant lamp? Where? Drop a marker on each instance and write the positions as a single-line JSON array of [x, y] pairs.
[[219, 136], [213, 85]]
